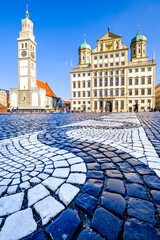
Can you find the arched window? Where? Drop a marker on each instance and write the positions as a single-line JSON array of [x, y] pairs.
[[25, 45], [22, 45]]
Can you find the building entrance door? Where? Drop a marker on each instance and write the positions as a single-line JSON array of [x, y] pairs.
[[108, 107]]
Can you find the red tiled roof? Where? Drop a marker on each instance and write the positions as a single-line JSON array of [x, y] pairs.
[[45, 86], [66, 102], [2, 106]]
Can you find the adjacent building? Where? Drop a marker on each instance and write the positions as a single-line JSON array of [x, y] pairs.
[[157, 94], [4, 96], [31, 94], [105, 81]]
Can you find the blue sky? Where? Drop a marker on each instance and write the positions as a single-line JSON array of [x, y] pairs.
[[59, 28]]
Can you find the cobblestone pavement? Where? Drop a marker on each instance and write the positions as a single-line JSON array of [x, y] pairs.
[[80, 176]]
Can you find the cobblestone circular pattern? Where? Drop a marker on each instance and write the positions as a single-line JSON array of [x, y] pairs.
[[117, 197]]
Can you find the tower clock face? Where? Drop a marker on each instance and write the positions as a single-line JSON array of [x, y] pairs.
[[24, 53], [32, 55]]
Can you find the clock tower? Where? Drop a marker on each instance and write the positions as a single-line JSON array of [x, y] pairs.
[[26, 61]]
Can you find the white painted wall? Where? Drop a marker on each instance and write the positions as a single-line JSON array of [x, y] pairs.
[[23, 83], [13, 100], [23, 71], [35, 99]]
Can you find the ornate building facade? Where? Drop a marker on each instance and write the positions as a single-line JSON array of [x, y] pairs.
[[157, 95], [31, 94], [105, 81]]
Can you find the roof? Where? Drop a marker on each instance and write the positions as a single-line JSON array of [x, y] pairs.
[[66, 102], [84, 46], [138, 37], [47, 88], [58, 99], [2, 106]]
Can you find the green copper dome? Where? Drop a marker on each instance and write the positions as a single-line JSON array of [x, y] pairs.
[[84, 45], [138, 37]]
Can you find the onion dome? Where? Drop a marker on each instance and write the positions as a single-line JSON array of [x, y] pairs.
[[138, 37], [84, 45]]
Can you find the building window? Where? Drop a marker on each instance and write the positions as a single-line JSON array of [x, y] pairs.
[[106, 73], [130, 70], [79, 94], [136, 91], [89, 84], [95, 74], [130, 81], [79, 102], [130, 101], [83, 74], [100, 82], [123, 55], [122, 92], [136, 81], [117, 55], [142, 69], [106, 82], [100, 73], [95, 93], [149, 80], [116, 105], [100, 57], [122, 72], [130, 92], [117, 72], [106, 92], [89, 74], [143, 81], [79, 75], [117, 92], [84, 84], [89, 102], [117, 63], [122, 105], [106, 56], [111, 64], [136, 70], [95, 58], [89, 94], [149, 69], [95, 105], [142, 91], [106, 64], [111, 56], [122, 81], [100, 93], [142, 101], [122, 63], [84, 102], [100, 65], [139, 50], [149, 101], [111, 81], [111, 92], [22, 45], [95, 82], [149, 91], [136, 101], [117, 81], [79, 84], [111, 72], [74, 102], [74, 75], [95, 66], [74, 94], [84, 94], [25, 45], [74, 85]]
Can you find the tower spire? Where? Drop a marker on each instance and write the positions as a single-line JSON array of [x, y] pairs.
[[27, 13], [71, 63], [84, 38], [153, 55], [137, 29]]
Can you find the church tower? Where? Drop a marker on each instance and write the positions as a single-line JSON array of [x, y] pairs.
[[84, 54], [138, 47], [26, 60]]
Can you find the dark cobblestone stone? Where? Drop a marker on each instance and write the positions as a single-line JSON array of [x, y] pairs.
[[152, 181], [88, 235], [93, 187], [107, 224], [136, 190], [116, 185], [114, 174], [95, 174], [133, 177], [88, 203]]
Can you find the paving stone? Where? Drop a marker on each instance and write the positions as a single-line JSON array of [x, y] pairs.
[[114, 202], [61, 172], [39, 235], [53, 183], [106, 224], [136, 190], [93, 166], [95, 174], [116, 185], [48, 208], [11, 204], [125, 167], [144, 170], [77, 178], [133, 177], [23, 221], [67, 192], [36, 193], [114, 174], [93, 187], [116, 159], [134, 161], [65, 226], [88, 235], [2, 189], [87, 202], [156, 196], [105, 166], [141, 209], [137, 230], [79, 167], [152, 181]]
